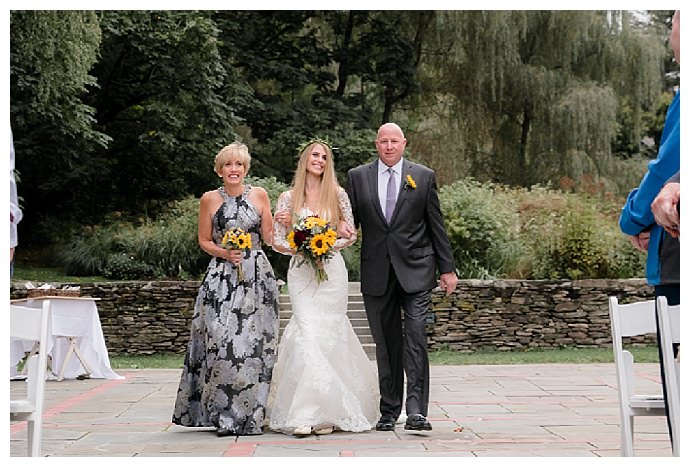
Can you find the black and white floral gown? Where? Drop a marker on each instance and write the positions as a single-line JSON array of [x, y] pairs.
[[227, 370]]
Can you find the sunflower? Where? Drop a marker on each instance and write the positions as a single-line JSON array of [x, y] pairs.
[[291, 239], [243, 241], [226, 238], [331, 237], [319, 244], [312, 221]]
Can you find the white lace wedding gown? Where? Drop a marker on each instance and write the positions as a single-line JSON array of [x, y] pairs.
[[322, 376]]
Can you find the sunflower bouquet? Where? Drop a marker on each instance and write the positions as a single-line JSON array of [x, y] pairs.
[[313, 238], [237, 239]]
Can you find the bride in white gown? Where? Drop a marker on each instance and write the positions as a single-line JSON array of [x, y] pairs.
[[322, 379]]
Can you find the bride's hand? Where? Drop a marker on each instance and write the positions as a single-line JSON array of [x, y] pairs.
[[345, 230]]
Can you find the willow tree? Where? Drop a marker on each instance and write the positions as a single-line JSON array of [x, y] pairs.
[[532, 96]]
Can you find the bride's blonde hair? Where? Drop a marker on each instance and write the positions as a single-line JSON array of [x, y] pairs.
[[329, 207]]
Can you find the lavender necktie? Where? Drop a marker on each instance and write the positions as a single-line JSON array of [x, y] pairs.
[[390, 195]]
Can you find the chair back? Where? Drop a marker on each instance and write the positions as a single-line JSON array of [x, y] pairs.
[[629, 320], [669, 334], [31, 324]]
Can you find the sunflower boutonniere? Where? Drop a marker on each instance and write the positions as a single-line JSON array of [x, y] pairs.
[[409, 182]]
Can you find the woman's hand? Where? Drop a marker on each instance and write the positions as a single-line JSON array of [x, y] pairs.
[[345, 230], [284, 217], [234, 256]]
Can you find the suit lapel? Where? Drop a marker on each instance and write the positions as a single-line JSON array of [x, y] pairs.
[[373, 182]]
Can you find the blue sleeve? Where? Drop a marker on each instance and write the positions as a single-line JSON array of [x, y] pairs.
[[637, 213]]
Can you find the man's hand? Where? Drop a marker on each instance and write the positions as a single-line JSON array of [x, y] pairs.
[[640, 241], [448, 281], [665, 209]]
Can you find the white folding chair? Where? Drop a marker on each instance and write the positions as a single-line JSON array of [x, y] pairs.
[[669, 334], [634, 319], [32, 324]]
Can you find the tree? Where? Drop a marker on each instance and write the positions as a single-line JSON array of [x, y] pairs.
[[539, 93], [57, 147], [165, 98], [285, 60]]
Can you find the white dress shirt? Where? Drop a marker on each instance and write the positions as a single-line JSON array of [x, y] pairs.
[[383, 181]]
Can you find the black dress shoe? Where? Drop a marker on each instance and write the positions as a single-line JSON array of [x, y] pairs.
[[417, 422], [221, 431], [386, 423]]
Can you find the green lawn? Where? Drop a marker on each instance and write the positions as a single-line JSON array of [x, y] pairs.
[[40, 275], [444, 357]]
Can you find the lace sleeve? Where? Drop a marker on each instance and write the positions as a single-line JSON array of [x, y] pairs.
[[346, 210], [280, 244]]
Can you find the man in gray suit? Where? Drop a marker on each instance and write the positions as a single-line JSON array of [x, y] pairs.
[[403, 243]]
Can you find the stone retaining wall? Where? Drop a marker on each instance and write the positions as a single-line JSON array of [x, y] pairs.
[[150, 317], [515, 314]]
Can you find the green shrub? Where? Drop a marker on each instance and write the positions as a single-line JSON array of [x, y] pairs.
[[481, 224], [575, 252], [121, 266], [86, 254], [351, 256], [495, 231], [166, 247], [574, 236]]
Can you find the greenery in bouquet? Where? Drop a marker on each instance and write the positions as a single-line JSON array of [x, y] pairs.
[[313, 238], [237, 239]]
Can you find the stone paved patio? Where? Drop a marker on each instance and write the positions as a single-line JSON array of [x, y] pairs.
[[476, 410]]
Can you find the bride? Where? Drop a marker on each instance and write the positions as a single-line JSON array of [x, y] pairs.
[[322, 379]]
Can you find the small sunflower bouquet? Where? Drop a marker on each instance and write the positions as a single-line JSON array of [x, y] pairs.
[[237, 239], [313, 238]]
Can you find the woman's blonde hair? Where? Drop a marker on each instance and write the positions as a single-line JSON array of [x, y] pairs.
[[234, 150], [329, 207]]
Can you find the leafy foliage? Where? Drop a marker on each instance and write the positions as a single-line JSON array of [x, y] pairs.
[[166, 247], [481, 226], [495, 232], [532, 96], [163, 95], [538, 233], [573, 236], [58, 146], [130, 106]]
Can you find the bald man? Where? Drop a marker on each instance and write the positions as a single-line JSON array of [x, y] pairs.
[[404, 243]]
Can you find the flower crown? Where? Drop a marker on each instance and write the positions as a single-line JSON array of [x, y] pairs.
[[325, 141]]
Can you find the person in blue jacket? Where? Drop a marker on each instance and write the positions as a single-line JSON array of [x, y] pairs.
[[637, 218]]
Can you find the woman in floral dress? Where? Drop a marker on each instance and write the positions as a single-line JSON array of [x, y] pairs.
[[229, 363]]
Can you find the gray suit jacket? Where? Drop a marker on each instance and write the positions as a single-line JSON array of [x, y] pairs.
[[415, 242]]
